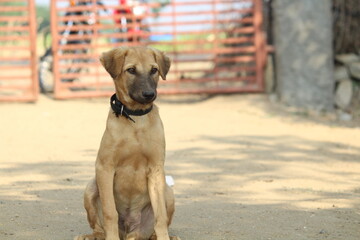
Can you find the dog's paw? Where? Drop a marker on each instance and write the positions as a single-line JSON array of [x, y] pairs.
[[112, 239], [95, 236], [153, 237], [174, 238]]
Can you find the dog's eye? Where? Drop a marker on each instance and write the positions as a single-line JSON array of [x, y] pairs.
[[131, 70], [153, 70]]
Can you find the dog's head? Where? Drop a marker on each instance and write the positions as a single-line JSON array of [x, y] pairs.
[[136, 71]]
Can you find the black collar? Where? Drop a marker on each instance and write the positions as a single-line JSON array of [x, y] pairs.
[[120, 109]]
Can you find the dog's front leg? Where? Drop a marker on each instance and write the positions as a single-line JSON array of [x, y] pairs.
[[105, 179], [156, 185]]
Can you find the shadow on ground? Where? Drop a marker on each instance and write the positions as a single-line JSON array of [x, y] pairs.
[[239, 187], [260, 187], [42, 200]]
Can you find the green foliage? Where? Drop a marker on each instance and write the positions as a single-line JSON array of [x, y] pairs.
[[11, 13], [42, 17], [13, 4], [163, 3]]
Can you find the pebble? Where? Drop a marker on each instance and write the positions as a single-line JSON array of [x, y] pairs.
[[343, 116]]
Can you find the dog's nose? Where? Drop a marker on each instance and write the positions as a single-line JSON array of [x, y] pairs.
[[149, 95]]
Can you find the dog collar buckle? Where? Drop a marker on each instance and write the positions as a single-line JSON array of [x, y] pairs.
[[120, 109]]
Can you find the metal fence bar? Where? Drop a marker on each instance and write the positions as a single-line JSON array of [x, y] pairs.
[[55, 47], [18, 63], [215, 47], [259, 43], [33, 62]]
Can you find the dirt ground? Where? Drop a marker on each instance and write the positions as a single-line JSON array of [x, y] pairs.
[[244, 168]]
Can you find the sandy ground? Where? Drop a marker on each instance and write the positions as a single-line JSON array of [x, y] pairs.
[[243, 169]]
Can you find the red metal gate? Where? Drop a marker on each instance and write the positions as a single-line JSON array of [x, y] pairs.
[[215, 46], [18, 71]]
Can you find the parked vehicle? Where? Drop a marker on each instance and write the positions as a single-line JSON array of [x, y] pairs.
[[46, 79]]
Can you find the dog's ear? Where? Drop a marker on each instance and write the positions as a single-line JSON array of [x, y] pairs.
[[113, 61], [163, 61]]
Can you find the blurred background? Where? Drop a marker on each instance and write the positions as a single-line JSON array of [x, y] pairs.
[[304, 53]]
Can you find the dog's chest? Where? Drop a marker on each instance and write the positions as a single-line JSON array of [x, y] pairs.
[[130, 183], [137, 150], [139, 146], [142, 139]]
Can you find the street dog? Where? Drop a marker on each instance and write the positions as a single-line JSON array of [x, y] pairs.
[[129, 199]]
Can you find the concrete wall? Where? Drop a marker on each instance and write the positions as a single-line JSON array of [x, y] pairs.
[[304, 58]]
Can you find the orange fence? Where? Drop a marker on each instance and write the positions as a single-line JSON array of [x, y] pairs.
[[18, 71], [215, 46]]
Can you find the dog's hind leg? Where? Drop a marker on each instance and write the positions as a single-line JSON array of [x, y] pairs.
[[94, 214], [170, 203]]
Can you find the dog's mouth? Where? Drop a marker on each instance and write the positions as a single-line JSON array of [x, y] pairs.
[[144, 97]]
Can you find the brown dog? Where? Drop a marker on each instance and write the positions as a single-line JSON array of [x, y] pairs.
[[129, 199]]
